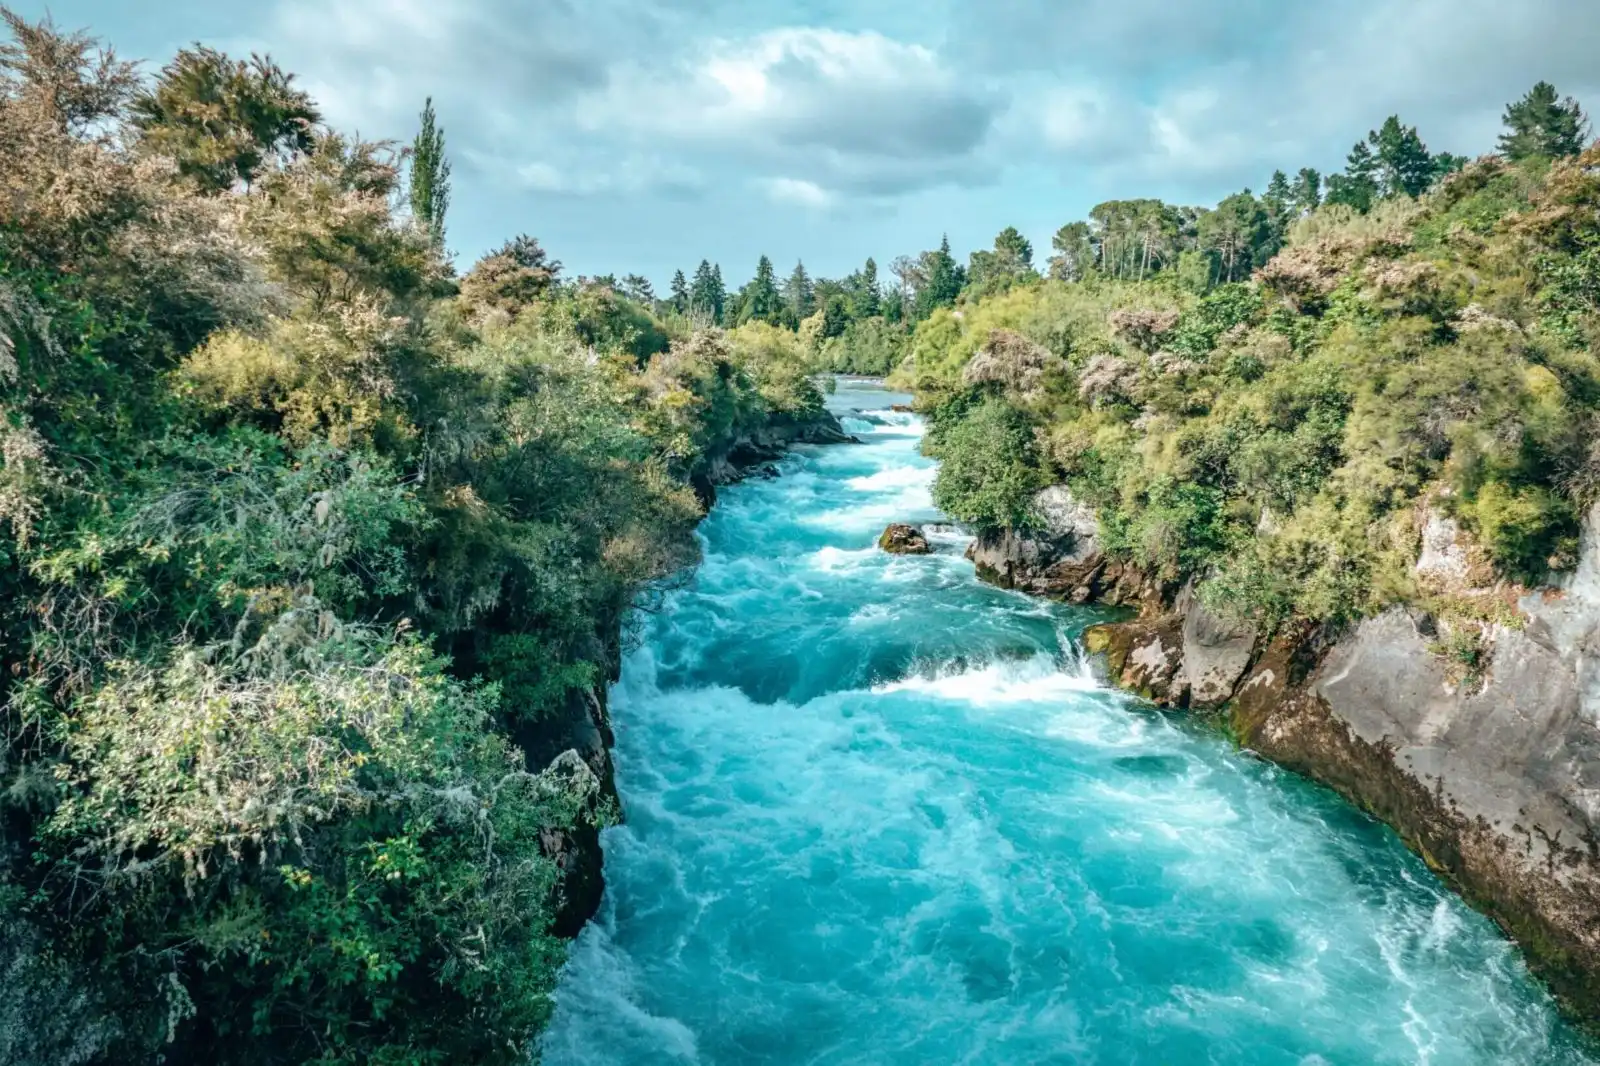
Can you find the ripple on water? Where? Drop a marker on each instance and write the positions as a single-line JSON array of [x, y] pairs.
[[881, 814]]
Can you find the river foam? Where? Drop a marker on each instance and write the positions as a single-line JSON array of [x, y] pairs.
[[879, 813]]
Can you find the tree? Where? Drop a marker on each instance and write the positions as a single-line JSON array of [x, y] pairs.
[[799, 294], [1542, 124], [637, 288], [910, 278], [510, 278], [1445, 164], [706, 294], [1239, 233], [1357, 187], [1404, 167], [1279, 202], [867, 301], [69, 80], [430, 177], [761, 300], [679, 298], [1307, 191], [1074, 248], [222, 119], [944, 280], [1010, 244], [835, 317], [1010, 261]]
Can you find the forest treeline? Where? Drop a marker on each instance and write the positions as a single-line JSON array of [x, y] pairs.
[[1275, 398], [302, 536]]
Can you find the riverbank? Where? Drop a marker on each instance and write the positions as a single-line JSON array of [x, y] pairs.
[[1485, 768], [880, 812]]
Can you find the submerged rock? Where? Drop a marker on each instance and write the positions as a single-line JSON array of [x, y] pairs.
[[901, 539]]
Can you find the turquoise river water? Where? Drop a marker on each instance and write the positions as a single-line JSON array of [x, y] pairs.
[[879, 813]]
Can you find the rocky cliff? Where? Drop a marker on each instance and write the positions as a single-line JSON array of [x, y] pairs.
[[1477, 741]]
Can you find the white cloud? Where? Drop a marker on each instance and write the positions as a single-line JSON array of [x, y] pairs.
[[857, 110], [798, 191]]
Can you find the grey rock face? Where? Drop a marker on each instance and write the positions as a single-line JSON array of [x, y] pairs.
[[1496, 782], [1216, 653], [1061, 558]]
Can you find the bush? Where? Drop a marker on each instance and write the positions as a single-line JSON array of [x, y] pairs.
[[989, 471]]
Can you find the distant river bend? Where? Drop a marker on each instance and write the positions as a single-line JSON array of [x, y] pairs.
[[880, 815]]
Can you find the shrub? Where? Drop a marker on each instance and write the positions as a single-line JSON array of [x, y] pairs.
[[989, 470]]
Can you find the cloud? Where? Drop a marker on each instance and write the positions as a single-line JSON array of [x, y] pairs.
[[798, 191], [905, 113], [850, 110]]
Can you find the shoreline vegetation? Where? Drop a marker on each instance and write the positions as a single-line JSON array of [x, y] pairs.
[[315, 563], [318, 555]]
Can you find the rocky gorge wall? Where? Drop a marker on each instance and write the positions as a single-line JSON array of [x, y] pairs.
[[1491, 774]]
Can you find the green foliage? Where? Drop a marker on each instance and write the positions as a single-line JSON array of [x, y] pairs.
[[870, 346], [222, 120], [1177, 528], [989, 470], [1277, 439], [346, 859], [430, 176], [296, 537], [1542, 124]]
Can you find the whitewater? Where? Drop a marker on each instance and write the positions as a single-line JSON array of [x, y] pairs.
[[881, 813]]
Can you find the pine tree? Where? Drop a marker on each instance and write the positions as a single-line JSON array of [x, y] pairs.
[[761, 300], [1404, 167], [679, 293], [945, 279], [430, 177], [719, 294], [1542, 124], [1279, 196], [1307, 193], [799, 293], [1239, 233], [705, 299], [637, 288], [1357, 187], [868, 299], [1014, 249], [1074, 248]]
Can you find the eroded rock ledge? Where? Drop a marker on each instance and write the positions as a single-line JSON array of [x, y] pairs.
[[1493, 778]]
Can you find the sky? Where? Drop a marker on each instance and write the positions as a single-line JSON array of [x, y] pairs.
[[644, 135]]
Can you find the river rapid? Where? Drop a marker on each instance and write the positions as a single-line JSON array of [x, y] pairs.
[[880, 813]]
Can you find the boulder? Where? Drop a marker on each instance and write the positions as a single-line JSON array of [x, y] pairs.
[[1060, 557], [901, 539], [1144, 657], [1216, 653]]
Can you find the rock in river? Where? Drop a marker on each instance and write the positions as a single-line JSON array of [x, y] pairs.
[[901, 539]]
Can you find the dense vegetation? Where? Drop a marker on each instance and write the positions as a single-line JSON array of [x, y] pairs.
[[1272, 396], [306, 541], [298, 533]]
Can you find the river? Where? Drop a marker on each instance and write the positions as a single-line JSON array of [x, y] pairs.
[[880, 813]]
